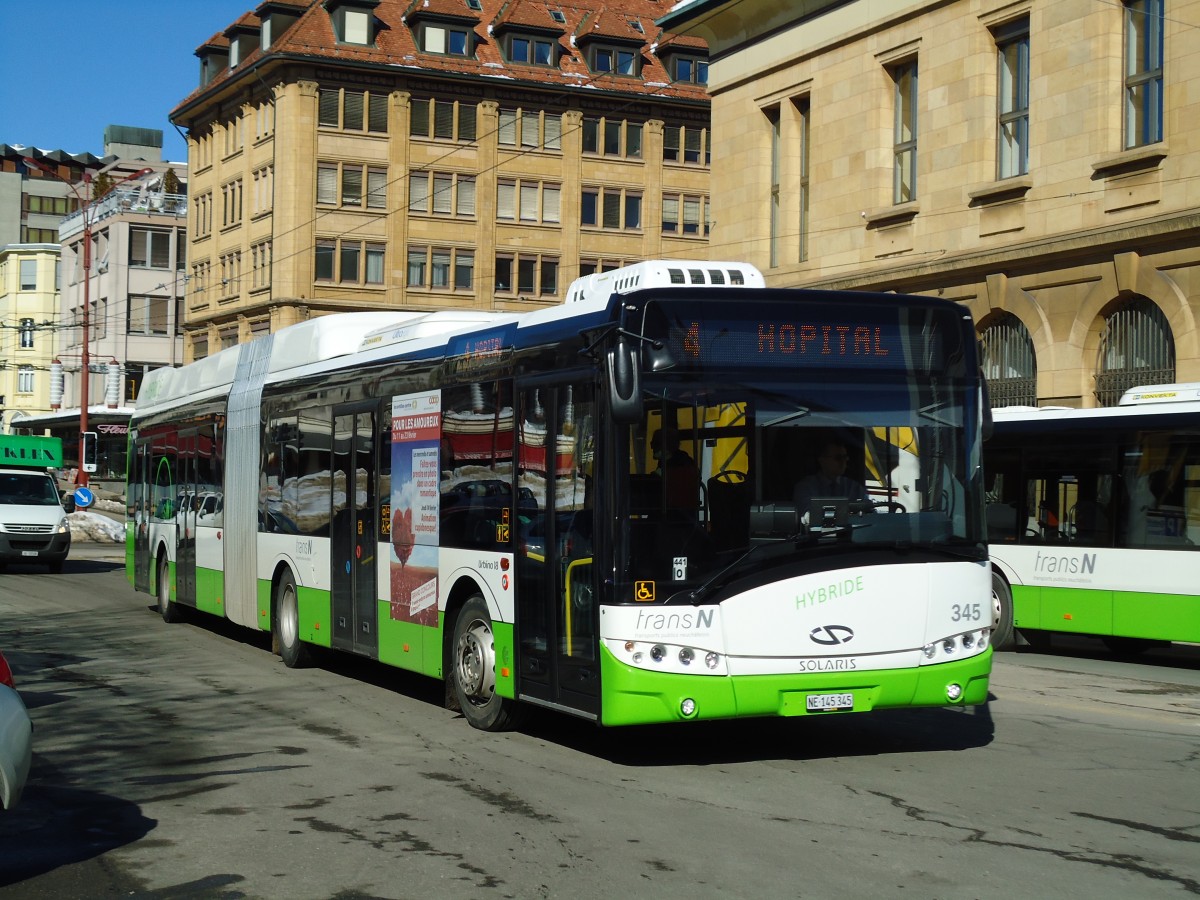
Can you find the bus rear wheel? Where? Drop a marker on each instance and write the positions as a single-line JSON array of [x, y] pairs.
[[1003, 637], [286, 622], [166, 608], [473, 670]]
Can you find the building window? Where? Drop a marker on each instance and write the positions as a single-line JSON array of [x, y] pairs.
[[1143, 72], [614, 60], [527, 274], [441, 268], [1136, 348], [442, 193], [612, 137], [231, 203], [231, 274], [530, 128], [202, 209], [691, 69], [592, 266], [29, 274], [352, 110], [260, 265], [27, 330], [342, 184], [25, 380], [352, 26], [263, 189], [802, 120], [1009, 362], [692, 222], [150, 249], [904, 133], [148, 315], [776, 126], [686, 144], [349, 262], [614, 208], [530, 50], [446, 39], [442, 119], [528, 201], [1012, 151]]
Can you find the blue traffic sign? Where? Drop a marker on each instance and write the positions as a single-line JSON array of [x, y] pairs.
[[84, 497]]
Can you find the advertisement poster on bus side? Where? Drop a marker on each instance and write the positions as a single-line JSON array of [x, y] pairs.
[[416, 471]]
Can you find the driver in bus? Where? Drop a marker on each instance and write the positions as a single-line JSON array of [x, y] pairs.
[[830, 480]]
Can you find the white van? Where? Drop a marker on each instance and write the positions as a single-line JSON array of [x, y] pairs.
[[33, 519]]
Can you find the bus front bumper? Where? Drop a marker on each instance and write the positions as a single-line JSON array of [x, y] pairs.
[[636, 696]]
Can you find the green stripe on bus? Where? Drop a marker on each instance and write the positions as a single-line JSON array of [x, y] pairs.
[[1167, 617]]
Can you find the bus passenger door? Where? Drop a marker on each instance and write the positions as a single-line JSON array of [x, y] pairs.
[[185, 521], [353, 541], [139, 499], [557, 617]]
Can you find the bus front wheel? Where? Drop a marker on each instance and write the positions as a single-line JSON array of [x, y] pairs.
[[166, 608], [473, 670], [286, 621], [1002, 614]]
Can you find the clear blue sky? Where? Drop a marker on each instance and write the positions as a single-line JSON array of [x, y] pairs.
[[69, 68]]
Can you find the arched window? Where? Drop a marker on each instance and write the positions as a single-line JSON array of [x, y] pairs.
[[1136, 348], [1008, 362]]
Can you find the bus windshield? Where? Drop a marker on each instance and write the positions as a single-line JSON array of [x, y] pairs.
[[725, 480]]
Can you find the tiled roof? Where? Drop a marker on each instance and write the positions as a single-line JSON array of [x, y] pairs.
[[312, 35], [528, 14]]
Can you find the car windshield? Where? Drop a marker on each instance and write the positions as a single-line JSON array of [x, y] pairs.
[[722, 481], [28, 489]]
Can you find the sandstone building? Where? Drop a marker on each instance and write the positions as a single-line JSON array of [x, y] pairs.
[[433, 154], [1034, 160]]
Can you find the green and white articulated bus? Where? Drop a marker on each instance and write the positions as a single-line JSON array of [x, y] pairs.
[[590, 507], [1094, 520]]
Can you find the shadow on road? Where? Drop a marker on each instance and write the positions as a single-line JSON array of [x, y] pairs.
[[59, 826]]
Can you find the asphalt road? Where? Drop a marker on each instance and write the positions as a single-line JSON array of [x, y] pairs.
[[187, 761]]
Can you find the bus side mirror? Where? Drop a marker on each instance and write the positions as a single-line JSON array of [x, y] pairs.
[[624, 384]]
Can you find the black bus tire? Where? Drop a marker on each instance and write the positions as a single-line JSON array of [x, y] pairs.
[[286, 622], [166, 607], [1003, 635], [473, 670]]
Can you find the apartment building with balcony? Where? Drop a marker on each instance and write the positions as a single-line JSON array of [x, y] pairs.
[[1033, 160], [435, 154]]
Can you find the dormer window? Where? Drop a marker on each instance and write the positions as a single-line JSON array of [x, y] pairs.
[[353, 21], [452, 40], [690, 69], [530, 50], [212, 62], [617, 60]]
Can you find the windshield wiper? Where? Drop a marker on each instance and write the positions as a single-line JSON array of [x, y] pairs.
[[697, 593]]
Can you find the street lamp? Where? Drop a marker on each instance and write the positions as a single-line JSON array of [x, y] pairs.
[[85, 202]]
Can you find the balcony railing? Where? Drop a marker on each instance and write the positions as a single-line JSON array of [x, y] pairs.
[[126, 201]]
